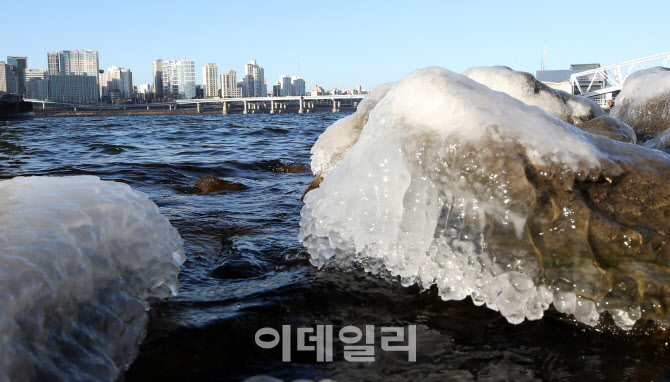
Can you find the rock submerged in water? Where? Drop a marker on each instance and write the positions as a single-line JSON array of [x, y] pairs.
[[452, 184], [208, 184]]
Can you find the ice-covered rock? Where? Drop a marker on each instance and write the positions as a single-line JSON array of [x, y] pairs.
[[456, 185], [81, 260], [331, 146], [523, 86], [644, 104]]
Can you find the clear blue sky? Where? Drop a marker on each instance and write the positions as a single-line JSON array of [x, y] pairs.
[[337, 43]]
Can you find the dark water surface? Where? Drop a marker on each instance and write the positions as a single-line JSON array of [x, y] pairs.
[[245, 269]]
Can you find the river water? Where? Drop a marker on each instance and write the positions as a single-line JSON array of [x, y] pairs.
[[245, 269]]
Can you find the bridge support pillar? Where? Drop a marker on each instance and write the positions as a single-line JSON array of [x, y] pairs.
[[225, 108], [44, 105], [198, 106], [272, 106], [245, 108], [147, 107], [335, 106], [300, 109]]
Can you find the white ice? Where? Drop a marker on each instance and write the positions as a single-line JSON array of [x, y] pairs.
[[395, 202], [80, 262], [522, 86]]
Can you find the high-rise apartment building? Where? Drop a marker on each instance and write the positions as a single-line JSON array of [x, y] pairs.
[[254, 80], [291, 86], [79, 62], [36, 84], [229, 86], [158, 78], [118, 80], [8, 80], [210, 80], [285, 83], [20, 64], [52, 58], [297, 86], [179, 78], [65, 69], [72, 88]]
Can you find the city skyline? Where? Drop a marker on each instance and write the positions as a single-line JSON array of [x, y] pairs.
[[340, 45]]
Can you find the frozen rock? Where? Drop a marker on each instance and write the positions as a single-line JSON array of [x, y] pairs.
[[81, 260], [644, 103], [331, 146], [456, 185], [524, 87]]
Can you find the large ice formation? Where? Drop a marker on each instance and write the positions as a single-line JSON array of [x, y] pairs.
[[523, 86], [455, 185], [644, 104], [80, 261]]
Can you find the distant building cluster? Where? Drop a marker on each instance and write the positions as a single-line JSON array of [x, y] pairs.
[[74, 76]]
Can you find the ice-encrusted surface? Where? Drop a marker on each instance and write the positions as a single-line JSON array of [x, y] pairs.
[[456, 185], [331, 146], [523, 86], [80, 262], [644, 104]]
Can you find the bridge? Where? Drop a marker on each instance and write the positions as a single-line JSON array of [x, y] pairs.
[[303, 104], [609, 79], [279, 104]]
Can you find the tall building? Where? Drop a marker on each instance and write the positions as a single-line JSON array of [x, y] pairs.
[[79, 62], [72, 88], [210, 78], [8, 80], [117, 79], [285, 83], [36, 84], [73, 76], [229, 86], [20, 64], [179, 78], [297, 86], [254, 80], [158, 78], [52, 58]]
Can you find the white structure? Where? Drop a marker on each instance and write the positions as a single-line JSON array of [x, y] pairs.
[[210, 78], [254, 80], [118, 80], [144, 89], [229, 86], [613, 76], [179, 79]]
